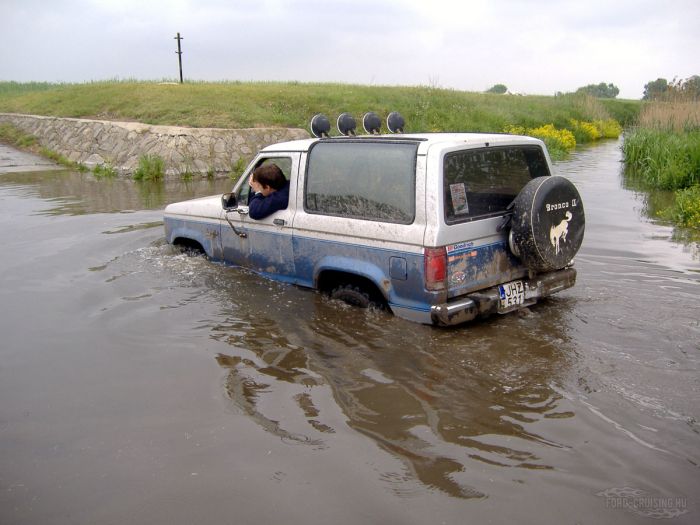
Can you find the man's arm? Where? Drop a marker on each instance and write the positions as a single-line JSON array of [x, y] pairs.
[[260, 206]]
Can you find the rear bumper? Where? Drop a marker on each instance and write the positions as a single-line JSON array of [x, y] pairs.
[[486, 302]]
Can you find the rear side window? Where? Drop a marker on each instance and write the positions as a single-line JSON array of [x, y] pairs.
[[363, 180], [481, 183]]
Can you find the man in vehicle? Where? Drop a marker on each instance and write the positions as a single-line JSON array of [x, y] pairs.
[[271, 191]]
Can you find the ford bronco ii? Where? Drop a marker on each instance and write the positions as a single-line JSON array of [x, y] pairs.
[[438, 228]]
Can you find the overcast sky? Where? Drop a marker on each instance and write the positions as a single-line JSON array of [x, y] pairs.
[[533, 47]]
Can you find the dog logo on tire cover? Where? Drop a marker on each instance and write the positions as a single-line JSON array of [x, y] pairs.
[[558, 233]]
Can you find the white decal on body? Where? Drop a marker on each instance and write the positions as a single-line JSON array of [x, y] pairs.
[[558, 233]]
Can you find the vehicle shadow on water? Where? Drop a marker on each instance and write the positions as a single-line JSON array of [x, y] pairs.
[[445, 402]]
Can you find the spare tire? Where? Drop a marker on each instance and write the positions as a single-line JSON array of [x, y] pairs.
[[548, 223]]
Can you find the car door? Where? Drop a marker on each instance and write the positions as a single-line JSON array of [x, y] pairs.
[[263, 245]]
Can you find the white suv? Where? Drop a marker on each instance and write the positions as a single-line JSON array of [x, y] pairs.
[[439, 228]]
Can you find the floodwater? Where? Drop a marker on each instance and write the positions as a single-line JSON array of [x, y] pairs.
[[142, 385]]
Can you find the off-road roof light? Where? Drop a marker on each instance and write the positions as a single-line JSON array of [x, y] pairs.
[[395, 122], [346, 124], [320, 126], [372, 123]]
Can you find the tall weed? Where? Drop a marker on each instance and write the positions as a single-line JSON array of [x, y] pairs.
[[150, 168], [663, 151], [677, 116], [663, 159]]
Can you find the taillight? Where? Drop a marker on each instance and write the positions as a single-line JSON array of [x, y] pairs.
[[435, 261]]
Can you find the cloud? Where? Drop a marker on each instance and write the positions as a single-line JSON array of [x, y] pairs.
[[540, 46]]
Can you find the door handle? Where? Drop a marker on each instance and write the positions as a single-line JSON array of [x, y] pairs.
[[279, 222]]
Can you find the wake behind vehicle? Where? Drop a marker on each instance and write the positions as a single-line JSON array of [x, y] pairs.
[[439, 228]]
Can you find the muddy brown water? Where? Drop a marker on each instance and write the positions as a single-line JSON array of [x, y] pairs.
[[142, 385]]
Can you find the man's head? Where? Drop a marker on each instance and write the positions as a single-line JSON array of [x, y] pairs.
[[270, 176]]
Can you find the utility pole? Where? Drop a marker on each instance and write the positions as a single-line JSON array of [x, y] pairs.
[[179, 53]]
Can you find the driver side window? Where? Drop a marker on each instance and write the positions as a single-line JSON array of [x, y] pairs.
[[284, 163]]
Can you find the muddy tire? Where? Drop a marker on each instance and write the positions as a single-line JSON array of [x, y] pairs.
[[352, 295], [548, 224]]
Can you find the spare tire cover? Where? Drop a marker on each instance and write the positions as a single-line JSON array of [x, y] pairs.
[[548, 223]]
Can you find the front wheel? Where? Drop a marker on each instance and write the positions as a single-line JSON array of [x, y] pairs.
[[352, 295]]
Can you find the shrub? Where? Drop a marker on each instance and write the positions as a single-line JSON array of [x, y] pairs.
[[559, 142], [498, 89], [584, 131], [151, 167], [609, 129], [686, 211], [590, 131]]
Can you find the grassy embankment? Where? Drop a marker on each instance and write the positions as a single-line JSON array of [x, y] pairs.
[[560, 121], [663, 151]]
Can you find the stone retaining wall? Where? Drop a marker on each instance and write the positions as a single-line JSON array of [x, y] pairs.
[[120, 144]]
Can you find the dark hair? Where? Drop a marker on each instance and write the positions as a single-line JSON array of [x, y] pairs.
[[270, 175]]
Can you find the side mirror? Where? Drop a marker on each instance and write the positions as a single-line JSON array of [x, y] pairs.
[[228, 201]]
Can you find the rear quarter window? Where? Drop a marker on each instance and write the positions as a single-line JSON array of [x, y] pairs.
[[362, 180], [480, 183]]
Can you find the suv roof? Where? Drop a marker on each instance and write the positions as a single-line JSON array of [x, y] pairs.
[[426, 140]]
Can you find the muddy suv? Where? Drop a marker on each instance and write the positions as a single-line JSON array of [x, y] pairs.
[[439, 228]]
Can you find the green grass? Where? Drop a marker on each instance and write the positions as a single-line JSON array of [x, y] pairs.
[[292, 104], [104, 171], [237, 169], [150, 168], [663, 151], [663, 159], [14, 136], [624, 111]]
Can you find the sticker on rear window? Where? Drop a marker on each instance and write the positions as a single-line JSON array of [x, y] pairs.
[[458, 192]]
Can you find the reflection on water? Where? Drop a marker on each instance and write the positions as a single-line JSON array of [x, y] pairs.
[[654, 203], [76, 193], [440, 400]]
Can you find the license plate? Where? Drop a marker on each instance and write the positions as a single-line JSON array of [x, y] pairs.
[[512, 294]]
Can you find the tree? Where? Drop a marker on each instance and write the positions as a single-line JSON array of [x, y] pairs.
[[498, 89], [655, 88], [690, 87], [601, 90]]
